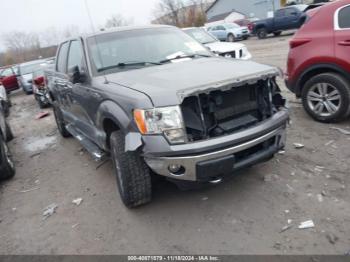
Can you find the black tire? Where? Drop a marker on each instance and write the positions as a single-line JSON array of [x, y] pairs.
[[261, 33], [335, 82], [9, 134], [277, 33], [231, 38], [41, 104], [6, 108], [7, 168], [132, 173], [60, 121]]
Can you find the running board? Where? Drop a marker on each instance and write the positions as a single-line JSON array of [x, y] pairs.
[[92, 148]]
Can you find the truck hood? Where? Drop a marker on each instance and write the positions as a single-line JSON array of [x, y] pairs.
[[169, 84], [224, 47]]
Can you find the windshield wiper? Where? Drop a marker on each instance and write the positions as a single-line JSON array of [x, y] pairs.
[[181, 57], [126, 64]]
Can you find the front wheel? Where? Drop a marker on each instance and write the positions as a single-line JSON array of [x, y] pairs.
[[326, 97], [231, 38], [7, 167], [133, 175]]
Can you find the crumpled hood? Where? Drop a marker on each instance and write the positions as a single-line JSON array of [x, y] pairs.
[[224, 47], [169, 84]]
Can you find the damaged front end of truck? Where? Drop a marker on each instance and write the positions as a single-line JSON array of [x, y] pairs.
[[228, 126]]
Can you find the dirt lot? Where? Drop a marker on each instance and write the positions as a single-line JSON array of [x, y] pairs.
[[243, 215]]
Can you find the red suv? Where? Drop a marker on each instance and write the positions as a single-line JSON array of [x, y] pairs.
[[319, 62]]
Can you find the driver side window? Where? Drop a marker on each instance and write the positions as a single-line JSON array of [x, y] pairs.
[[76, 56]]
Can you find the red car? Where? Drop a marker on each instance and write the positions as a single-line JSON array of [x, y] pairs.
[[8, 78], [318, 68]]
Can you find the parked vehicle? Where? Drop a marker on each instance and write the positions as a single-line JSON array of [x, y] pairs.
[[8, 78], [159, 102], [7, 168], [25, 74], [229, 32], [318, 67], [232, 50], [248, 22], [5, 101], [287, 18], [40, 90]]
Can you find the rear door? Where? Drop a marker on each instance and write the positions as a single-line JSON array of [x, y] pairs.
[[279, 20], [342, 35], [61, 81], [292, 17]]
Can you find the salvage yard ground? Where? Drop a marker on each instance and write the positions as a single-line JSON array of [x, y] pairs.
[[257, 211]]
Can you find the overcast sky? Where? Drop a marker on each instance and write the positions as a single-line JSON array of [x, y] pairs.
[[38, 15]]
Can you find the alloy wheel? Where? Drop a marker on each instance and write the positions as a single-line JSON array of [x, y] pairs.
[[324, 99]]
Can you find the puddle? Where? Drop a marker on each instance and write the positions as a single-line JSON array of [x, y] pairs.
[[36, 144]]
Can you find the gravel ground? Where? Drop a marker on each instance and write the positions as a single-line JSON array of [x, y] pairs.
[[243, 215]]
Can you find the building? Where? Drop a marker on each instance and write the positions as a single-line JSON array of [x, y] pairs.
[[250, 8], [228, 17]]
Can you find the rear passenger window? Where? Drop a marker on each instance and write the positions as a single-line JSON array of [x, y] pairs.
[[62, 58], [344, 17]]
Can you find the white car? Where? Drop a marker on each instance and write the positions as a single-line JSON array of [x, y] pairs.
[[226, 49]]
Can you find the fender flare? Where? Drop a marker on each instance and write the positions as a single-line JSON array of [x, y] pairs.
[[316, 68], [112, 111]]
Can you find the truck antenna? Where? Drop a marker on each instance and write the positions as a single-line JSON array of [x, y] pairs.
[[94, 37]]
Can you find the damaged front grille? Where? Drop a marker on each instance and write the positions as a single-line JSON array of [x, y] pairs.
[[220, 113]]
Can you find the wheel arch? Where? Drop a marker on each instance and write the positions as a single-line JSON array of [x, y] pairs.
[[316, 70], [111, 117]]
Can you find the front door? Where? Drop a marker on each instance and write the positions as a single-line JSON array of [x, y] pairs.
[[81, 97]]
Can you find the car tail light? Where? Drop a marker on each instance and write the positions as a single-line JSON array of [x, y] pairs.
[[250, 26], [39, 81], [298, 42]]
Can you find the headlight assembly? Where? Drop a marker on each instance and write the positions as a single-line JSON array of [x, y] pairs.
[[166, 120]]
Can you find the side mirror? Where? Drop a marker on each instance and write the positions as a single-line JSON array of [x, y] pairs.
[[75, 76]]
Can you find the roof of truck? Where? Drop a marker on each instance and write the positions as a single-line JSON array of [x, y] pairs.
[[125, 28]]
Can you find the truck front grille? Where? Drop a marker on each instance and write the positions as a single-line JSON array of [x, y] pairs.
[[220, 113]]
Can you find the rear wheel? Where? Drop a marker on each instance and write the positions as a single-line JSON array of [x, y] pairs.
[[133, 175], [61, 125], [7, 167], [231, 38], [9, 134], [326, 97], [261, 33]]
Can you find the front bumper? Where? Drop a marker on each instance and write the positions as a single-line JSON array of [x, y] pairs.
[[245, 148]]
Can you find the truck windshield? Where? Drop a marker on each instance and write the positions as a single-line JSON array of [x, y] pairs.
[[201, 35], [139, 48]]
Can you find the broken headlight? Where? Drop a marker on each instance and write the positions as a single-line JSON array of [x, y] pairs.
[[165, 120]]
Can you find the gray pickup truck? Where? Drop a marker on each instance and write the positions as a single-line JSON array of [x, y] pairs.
[[159, 103]]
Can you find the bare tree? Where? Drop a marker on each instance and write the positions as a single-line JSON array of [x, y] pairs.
[[118, 20], [168, 12], [175, 12], [22, 45]]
